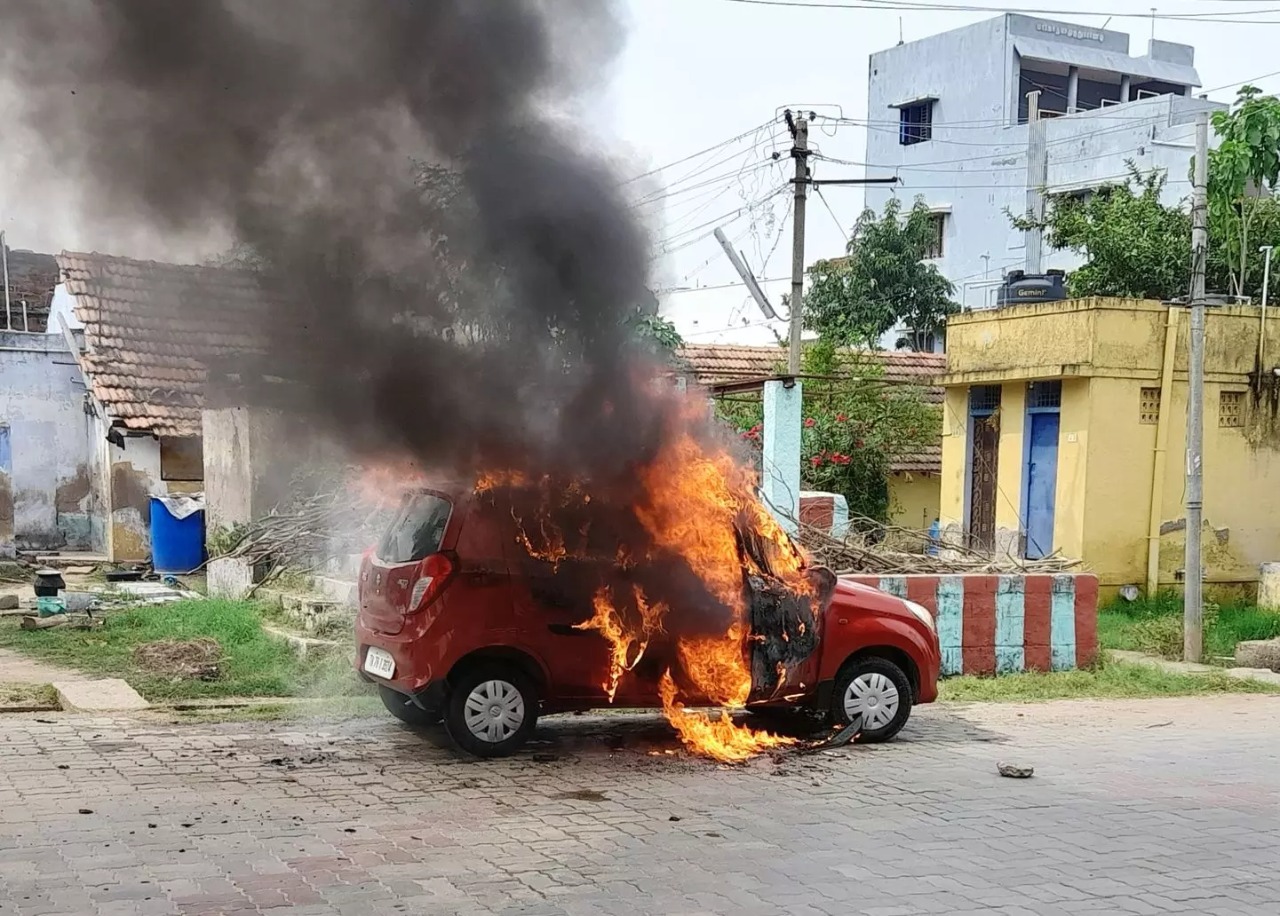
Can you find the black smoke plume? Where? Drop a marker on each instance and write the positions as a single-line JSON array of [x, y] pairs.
[[447, 267], [450, 272]]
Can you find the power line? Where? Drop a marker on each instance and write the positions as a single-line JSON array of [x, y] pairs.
[[839, 225], [677, 290], [702, 152], [1218, 16], [1241, 82]]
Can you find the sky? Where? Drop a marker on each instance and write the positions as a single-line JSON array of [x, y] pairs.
[[695, 73]]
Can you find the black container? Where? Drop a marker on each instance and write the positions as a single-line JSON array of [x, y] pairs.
[[1024, 287], [48, 583]]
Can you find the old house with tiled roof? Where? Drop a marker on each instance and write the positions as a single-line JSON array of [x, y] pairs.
[[151, 332], [101, 401], [914, 484]]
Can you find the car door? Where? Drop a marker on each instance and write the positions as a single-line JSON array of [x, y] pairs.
[[553, 597]]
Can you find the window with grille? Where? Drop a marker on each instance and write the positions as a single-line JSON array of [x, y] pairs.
[[1044, 394], [984, 399], [938, 228], [1149, 406], [1231, 409], [915, 123]]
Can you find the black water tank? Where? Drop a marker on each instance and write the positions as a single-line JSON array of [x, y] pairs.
[[1024, 287]]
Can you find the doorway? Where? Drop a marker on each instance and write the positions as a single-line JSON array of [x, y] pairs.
[[984, 449], [1040, 467]]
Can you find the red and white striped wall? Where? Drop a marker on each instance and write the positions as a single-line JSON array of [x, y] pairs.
[[999, 624]]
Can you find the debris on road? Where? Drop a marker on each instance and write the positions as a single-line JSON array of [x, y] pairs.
[[1013, 771]]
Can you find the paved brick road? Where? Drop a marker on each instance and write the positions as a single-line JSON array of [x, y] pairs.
[[1144, 808]]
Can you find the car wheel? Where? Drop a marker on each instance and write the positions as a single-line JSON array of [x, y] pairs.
[[492, 710], [406, 710], [877, 690]]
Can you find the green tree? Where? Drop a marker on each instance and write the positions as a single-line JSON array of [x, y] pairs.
[[881, 281], [655, 333], [1133, 245], [1245, 166]]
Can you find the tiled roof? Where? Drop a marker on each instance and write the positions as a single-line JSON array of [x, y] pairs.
[[152, 330], [926, 460], [32, 277], [713, 364]]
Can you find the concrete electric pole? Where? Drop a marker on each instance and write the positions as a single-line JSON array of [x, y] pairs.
[[1193, 565], [803, 181], [1037, 178], [800, 152]]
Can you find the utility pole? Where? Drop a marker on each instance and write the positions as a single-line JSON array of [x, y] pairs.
[[1037, 178], [1266, 286], [1193, 567], [800, 153], [799, 128]]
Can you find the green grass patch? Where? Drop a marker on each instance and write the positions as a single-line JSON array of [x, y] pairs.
[[1154, 625], [252, 663], [1108, 679], [24, 695]]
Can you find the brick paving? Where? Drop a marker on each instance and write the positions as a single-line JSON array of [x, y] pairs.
[[1154, 807]]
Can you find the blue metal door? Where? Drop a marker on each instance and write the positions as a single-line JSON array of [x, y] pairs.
[[1042, 480]]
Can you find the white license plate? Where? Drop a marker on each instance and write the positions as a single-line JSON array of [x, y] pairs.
[[379, 663]]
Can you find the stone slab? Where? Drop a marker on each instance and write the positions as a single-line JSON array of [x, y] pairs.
[[106, 695], [1259, 653]]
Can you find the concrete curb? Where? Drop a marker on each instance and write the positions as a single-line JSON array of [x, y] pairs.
[[107, 695], [1261, 675]]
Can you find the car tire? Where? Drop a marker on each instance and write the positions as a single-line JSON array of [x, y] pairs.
[[407, 711], [880, 691], [492, 710]]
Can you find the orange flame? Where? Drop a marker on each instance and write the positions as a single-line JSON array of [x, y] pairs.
[[625, 649], [721, 739]]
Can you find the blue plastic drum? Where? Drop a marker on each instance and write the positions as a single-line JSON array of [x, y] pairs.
[[177, 544]]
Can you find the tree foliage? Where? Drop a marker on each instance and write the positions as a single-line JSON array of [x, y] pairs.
[[1244, 167], [654, 332], [1133, 245], [855, 425], [882, 281]]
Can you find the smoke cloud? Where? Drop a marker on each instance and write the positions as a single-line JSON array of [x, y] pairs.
[[449, 269]]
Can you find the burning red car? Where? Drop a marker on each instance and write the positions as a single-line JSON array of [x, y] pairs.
[[464, 618]]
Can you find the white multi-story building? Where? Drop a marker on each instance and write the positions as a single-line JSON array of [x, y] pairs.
[[948, 115]]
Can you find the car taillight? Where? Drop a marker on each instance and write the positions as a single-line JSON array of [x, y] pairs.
[[433, 574]]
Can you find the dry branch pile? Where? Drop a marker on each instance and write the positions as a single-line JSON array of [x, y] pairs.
[[317, 524], [878, 549]]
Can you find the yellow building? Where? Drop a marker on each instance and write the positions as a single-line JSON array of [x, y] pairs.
[[1064, 431]]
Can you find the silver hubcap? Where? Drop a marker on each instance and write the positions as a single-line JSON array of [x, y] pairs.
[[495, 711], [874, 697]]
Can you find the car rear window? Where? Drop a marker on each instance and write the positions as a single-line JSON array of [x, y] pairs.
[[417, 530]]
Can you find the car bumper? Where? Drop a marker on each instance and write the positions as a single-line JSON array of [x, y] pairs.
[[415, 670], [930, 665]]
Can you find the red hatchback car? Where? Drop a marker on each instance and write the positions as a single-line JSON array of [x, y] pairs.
[[457, 622]]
